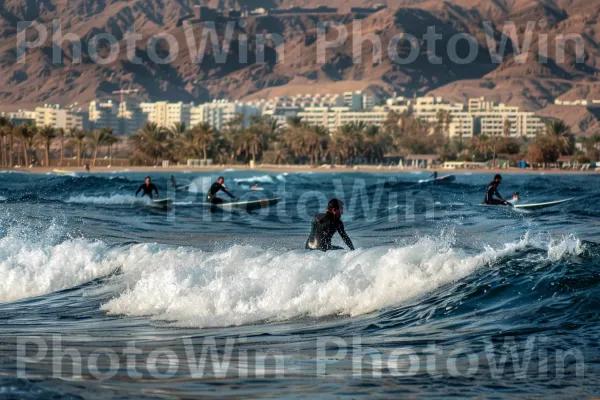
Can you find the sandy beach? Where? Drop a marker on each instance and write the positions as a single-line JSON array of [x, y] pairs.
[[303, 169]]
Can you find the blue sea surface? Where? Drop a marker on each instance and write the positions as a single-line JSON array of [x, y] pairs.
[[104, 295]]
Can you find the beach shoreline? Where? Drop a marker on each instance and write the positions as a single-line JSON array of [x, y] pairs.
[[300, 169]]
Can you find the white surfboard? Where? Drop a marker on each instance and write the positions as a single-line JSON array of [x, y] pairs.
[[245, 205], [440, 179], [539, 206], [161, 203], [536, 206]]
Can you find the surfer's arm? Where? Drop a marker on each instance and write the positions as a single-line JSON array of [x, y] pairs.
[[226, 191], [345, 236], [139, 190], [156, 190]]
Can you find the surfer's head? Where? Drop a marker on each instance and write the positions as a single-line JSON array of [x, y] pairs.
[[498, 178], [221, 180], [336, 207], [148, 180]]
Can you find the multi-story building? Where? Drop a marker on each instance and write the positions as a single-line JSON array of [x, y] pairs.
[[358, 100], [131, 117], [167, 114], [218, 113], [20, 117], [66, 118], [104, 114], [333, 117]]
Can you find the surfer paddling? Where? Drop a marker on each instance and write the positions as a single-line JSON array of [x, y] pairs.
[[147, 188], [211, 196], [325, 225], [492, 195]]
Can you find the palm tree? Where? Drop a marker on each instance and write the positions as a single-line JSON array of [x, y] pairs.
[[251, 142], [60, 132], [481, 144], [47, 134], [177, 129], [561, 135], [5, 131], [79, 136], [99, 138], [186, 145], [27, 134], [151, 140], [204, 136]]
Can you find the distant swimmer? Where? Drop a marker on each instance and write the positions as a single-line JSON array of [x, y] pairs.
[[255, 187], [147, 188], [211, 196], [325, 225], [492, 195], [173, 182], [515, 197]]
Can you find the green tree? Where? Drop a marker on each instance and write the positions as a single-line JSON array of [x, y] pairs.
[[6, 130], [27, 135], [152, 140], [47, 135], [204, 135], [78, 137]]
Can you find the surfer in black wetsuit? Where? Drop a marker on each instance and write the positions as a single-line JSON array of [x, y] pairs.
[[211, 196], [147, 188], [434, 175], [325, 225], [492, 195]]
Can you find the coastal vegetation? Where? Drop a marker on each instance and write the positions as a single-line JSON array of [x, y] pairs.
[[261, 139]]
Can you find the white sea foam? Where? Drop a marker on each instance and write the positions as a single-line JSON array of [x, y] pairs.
[[2, 198], [116, 199], [258, 178], [247, 284], [32, 268]]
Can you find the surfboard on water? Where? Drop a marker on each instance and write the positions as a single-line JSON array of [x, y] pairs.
[[539, 206], [536, 206], [439, 179], [245, 205], [161, 203], [62, 171]]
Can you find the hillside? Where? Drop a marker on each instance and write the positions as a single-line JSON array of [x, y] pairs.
[[528, 81]]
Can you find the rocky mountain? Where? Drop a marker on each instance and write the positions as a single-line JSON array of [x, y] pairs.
[[549, 70]]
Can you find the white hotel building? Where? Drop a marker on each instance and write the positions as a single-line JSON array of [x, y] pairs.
[[218, 113], [165, 114]]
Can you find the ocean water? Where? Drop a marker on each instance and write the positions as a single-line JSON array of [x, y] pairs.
[[104, 296]]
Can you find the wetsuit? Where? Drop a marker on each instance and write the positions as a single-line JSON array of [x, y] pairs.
[[324, 226], [492, 191], [212, 192], [147, 189]]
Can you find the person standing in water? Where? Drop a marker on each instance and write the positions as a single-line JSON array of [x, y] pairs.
[[325, 225], [147, 188], [211, 196], [492, 195], [173, 182]]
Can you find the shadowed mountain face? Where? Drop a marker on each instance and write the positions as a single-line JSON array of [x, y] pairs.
[[552, 68]]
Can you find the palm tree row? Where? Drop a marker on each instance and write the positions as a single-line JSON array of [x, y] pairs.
[[21, 143], [355, 142]]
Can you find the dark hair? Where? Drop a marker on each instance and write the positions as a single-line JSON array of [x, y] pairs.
[[335, 204], [498, 177], [147, 178], [219, 178]]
